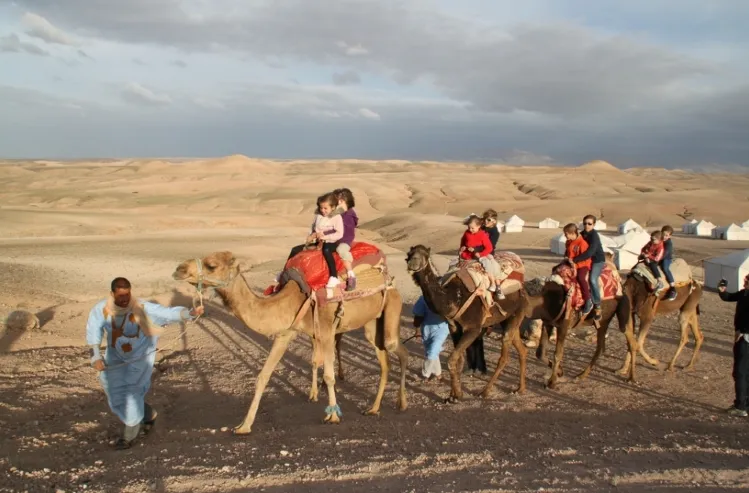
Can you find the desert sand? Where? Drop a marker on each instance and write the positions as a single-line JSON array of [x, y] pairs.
[[70, 227]]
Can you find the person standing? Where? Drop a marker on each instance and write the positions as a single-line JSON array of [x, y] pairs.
[[740, 406], [130, 328]]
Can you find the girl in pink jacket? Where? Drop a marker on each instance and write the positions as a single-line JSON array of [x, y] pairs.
[[328, 227]]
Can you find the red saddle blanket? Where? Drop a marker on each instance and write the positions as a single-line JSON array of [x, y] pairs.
[[309, 269], [609, 282]]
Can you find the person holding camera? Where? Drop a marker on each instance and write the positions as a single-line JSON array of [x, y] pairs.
[[740, 406]]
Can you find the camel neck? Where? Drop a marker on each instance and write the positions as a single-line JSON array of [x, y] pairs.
[[434, 294], [267, 316]]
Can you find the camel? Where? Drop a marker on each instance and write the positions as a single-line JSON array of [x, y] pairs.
[[550, 307], [283, 316], [448, 301], [646, 306]]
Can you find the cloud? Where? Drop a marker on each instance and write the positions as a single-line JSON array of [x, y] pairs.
[[369, 114], [346, 78], [136, 93], [13, 44], [39, 27], [83, 54], [352, 50], [140, 62], [178, 63]]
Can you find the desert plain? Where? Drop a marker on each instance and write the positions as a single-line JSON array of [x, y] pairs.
[[68, 228]]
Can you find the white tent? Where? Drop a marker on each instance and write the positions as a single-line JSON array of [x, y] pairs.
[[731, 232], [548, 223], [745, 225], [704, 228], [630, 246], [514, 225], [629, 225], [732, 267], [558, 243], [688, 228]]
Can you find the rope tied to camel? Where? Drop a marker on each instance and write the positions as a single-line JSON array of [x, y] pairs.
[[178, 337]]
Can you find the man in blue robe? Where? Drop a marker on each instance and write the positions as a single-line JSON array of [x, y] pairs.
[[132, 328]]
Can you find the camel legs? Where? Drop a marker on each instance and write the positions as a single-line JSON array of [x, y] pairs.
[[512, 336], [313, 391], [558, 354], [280, 343], [338, 338], [641, 336], [541, 349], [332, 412], [687, 321], [370, 332], [600, 348], [455, 362]]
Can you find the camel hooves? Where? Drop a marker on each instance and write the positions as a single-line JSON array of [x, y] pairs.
[[371, 412], [238, 431], [332, 419], [452, 400]]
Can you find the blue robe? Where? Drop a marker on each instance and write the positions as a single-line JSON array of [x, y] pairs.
[[126, 385]]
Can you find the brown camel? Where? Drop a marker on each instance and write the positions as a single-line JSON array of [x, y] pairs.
[[281, 317], [644, 306], [448, 301], [549, 306]]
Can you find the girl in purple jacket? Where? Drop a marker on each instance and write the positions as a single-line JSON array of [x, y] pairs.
[[350, 222]]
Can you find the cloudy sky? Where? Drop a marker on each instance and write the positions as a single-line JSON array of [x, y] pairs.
[[641, 82]]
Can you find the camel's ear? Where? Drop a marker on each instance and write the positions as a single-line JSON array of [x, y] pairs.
[[243, 265], [429, 250], [225, 257]]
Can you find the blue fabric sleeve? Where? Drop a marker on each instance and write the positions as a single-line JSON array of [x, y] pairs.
[[420, 308], [95, 325], [162, 315]]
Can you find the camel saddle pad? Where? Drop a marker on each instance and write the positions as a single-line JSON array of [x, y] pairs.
[[679, 269], [510, 277], [309, 270], [369, 280], [609, 282]]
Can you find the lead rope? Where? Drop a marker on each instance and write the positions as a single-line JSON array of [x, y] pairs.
[[199, 297]]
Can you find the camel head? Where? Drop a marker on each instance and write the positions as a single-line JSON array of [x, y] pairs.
[[216, 270], [417, 258]]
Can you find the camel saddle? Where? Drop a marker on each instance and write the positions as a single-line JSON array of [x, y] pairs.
[[679, 269], [473, 275], [309, 270], [610, 283]]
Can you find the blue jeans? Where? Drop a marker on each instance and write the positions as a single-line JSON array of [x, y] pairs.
[[666, 266], [595, 288]]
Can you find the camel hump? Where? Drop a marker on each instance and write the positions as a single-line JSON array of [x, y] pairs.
[[309, 270]]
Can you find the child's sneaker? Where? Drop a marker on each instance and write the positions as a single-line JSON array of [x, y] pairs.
[[332, 282], [587, 307], [350, 283], [671, 294], [597, 314], [498, 294], [658, 286], [737, 413]]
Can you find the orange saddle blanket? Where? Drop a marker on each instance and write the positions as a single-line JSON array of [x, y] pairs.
[[610, 283]]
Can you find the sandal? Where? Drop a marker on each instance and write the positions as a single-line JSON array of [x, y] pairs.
[[147, 425], [122, 444]]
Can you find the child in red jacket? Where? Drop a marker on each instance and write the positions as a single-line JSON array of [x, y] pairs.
[[652, 254], [475, 244]]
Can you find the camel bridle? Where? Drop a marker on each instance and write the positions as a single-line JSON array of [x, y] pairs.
[[215, 283]]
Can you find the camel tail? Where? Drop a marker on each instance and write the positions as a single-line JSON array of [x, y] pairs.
[[698, 309]]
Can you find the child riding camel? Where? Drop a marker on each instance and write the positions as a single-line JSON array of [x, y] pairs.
[[490, 226], [652, 254], [668, 257], [575, 247], [475, 244], [350, 221], [328, 228]]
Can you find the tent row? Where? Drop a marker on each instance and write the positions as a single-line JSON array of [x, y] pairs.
[[706, 228], [625, 247]]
